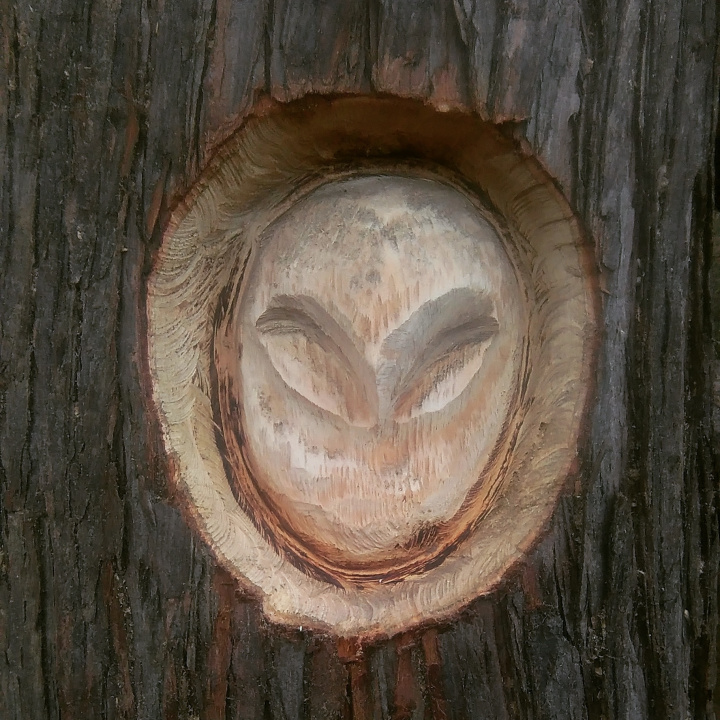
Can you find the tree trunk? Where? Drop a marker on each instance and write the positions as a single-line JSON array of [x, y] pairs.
[[109, 604]]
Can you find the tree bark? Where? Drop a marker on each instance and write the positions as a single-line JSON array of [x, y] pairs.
[[109, 605]]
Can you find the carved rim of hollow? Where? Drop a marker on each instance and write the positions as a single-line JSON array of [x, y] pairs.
[[203, 248]]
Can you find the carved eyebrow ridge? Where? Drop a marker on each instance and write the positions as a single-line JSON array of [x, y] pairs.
[[445, 325], [299, 313], [453, 309], [289, 314]]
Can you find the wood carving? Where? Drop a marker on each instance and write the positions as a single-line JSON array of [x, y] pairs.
[[371, 330]]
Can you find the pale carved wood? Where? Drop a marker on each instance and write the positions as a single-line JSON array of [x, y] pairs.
[[375, 300], [371, 330]]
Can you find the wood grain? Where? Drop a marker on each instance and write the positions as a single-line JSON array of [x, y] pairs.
[[614, 615]]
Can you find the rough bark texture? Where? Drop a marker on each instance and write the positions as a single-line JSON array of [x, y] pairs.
[[108, 605]]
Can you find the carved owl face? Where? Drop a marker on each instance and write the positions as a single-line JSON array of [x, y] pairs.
[[374, 357], [371, 334]]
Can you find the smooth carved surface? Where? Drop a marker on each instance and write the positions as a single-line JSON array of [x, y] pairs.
[[378, 347], [371, 331]]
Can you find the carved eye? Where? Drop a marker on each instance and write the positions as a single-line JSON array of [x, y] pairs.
[[427, 362], [435, 354], [316, 358]]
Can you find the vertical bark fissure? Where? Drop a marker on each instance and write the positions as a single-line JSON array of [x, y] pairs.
[[50, 689], [702, 553], [267, 45], [370, 41], [208, 39]]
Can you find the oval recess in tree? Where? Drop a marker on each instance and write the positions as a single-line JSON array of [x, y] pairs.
[[371, 338]]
